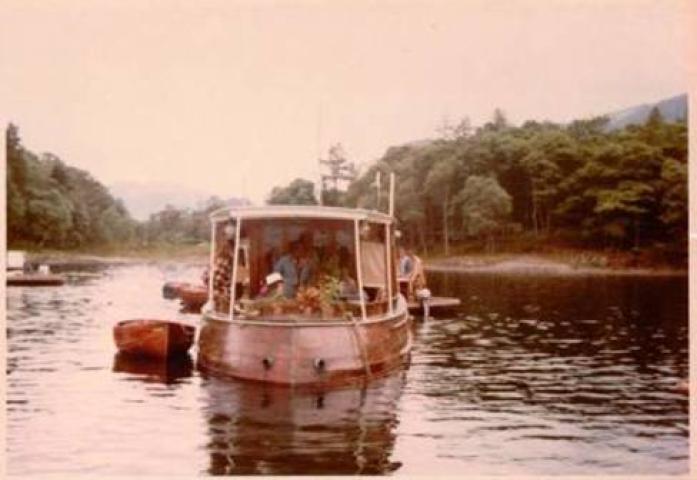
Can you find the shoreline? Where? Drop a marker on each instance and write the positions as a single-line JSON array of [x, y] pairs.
[[513, 263], [538, 264]]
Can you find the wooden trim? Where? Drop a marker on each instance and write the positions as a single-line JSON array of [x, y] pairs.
[[300, 211], [359, 268], [235, 258], [211, 266]]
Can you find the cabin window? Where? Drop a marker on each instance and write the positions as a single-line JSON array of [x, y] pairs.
[[314, 258]]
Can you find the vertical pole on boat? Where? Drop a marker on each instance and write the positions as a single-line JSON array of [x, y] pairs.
[[211, 265], [361, 299], [377, 189], [233, 280], [391, 206], [359, 268], [388, 250]]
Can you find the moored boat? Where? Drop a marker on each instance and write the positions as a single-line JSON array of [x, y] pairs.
[[34, 279], [336, 314], [153, 338], [170, 290], [192, 297]]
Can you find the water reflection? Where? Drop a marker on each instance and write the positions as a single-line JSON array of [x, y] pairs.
[[545, 364], [256, 428], [153, 370], [532, 375]]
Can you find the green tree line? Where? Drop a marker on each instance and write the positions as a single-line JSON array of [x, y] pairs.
[[53, 205], [576, 183]]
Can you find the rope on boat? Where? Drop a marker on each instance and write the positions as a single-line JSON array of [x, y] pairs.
[[361, 347]]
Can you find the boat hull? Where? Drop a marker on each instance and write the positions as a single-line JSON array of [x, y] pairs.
[[170, 290], [35, 280], [304, 353], [193, 297], [153, 338]]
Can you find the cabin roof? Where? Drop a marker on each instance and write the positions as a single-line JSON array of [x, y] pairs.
[[299, 211]]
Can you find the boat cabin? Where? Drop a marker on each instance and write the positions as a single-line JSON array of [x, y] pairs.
[[301, 264]]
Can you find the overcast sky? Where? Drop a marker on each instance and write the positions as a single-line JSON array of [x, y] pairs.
[[236, 98]]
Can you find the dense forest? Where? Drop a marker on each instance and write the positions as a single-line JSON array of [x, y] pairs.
[[50, 204], [491, 188], [577, 185], [53, 205]]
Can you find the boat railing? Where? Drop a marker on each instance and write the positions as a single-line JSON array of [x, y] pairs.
[[301, 319]]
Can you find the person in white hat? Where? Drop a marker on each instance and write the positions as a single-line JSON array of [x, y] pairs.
[[273, 286]]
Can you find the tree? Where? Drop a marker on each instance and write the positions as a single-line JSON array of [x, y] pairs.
[[298, 192], [485, 207], [438, 186]]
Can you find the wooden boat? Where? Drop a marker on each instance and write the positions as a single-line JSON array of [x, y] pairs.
[[192, 297], [308, 337], [172, 290], [34, 279], [153, 338]]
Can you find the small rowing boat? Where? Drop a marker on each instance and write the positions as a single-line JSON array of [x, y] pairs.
[[171, 290], [34, 279], [153, 338], [193, 297]]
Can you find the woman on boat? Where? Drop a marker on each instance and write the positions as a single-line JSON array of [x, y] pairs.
[[295, 267]]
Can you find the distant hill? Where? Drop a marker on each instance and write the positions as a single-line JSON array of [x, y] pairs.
[[672, 109], [144, 199]]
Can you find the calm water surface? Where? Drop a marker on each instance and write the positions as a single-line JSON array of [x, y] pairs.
[[531, 375]]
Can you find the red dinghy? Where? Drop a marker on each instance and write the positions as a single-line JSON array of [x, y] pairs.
[[171, 289], [193, 297], [153, 338]]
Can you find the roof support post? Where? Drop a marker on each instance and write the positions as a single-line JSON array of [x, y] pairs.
[[359, 267], [233, 279]]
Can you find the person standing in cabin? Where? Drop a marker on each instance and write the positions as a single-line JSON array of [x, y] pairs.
[[287, 266]]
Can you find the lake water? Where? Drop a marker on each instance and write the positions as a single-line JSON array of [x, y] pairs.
[[532, 375]]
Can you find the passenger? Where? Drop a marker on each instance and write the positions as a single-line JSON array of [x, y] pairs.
[[306, 265], [406, 263], [288, 267], [417, 278], [273, 287], [348, 288]]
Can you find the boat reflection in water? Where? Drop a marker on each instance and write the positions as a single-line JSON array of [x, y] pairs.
[[258, 428], [156, 371]]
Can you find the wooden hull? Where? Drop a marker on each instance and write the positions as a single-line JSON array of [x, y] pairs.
[[193, 297], [307, 353], [35, 280], [171, 290], [153, 338]]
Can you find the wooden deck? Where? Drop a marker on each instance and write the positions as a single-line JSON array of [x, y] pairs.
[[436, 304]]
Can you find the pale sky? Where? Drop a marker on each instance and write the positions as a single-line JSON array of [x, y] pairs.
[[237, 97]]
